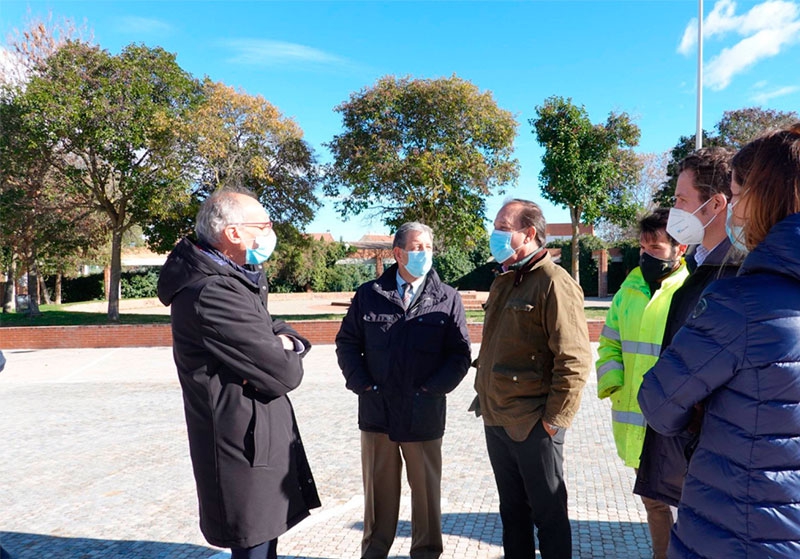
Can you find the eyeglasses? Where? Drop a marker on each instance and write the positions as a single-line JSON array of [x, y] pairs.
[[263, 225]]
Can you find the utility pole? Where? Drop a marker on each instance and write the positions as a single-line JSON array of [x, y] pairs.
[[698, 140]]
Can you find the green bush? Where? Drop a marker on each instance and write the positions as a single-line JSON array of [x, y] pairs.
[[139, 284], [347, 277], [84, 288]]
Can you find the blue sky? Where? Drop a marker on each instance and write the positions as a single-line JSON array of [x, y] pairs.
[[636, 56]]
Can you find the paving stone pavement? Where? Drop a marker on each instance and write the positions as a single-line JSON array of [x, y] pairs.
[[94, 464]]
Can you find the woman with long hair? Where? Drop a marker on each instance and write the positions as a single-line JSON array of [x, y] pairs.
[[739, 354]]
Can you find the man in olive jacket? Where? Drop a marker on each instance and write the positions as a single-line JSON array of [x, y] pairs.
[[235, 366], [402, 347], [534, 360]]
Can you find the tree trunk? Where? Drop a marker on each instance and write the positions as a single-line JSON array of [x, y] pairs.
[[116, 270], [33, 288], [10, 295], [574, 215], [43, 293], [57, 293]]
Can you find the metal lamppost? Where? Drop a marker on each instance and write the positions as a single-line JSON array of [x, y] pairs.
[[698, 141]]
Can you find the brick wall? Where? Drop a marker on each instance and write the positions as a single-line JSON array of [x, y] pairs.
[[158, 335]]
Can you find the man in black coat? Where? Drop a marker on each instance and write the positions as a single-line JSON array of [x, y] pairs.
[[702, 195], [402, 347], [236, 366]]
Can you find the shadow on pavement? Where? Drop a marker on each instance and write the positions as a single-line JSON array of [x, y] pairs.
[[37, 546], [624, 540]]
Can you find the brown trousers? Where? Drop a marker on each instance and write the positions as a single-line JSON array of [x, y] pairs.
[[659, 521], [382, 465]]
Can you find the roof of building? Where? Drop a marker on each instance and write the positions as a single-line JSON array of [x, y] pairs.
[[375, 238], [326, 236], [565, 229]]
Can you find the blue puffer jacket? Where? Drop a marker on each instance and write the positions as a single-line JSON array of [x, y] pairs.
[[740, 354]]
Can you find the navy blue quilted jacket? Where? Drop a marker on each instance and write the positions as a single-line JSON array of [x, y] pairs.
[[412, 357], [740, 354]]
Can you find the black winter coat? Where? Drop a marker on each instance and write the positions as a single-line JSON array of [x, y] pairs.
[[253, 479], [663, 463], [412, 358]]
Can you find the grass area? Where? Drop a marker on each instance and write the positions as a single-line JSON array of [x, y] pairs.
[[58, 317], [596, 313], [55, 315]]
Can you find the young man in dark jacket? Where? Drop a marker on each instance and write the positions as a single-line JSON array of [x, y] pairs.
[[236, 366], [402, 347], [702, 196]]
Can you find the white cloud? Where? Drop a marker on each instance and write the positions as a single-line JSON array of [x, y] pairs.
[[689, 39], [766, 30], [143, 26], [765, 97], [261, 52]]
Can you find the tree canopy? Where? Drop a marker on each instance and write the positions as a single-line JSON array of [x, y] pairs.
[[735, 129], [243, 140], [586, 167], [428, 150], [111, 123]]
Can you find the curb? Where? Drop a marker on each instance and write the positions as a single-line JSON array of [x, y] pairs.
[[160, 335]]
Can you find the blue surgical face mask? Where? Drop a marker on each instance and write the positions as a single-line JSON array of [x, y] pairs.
[[500, 245], [265, 244], [735, 232], [419, 262]]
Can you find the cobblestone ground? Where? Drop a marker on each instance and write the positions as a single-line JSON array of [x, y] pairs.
[[94, 464]]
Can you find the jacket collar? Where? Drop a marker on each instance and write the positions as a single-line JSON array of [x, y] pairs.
[[635, 280], [721, 255], [536, 262], [777, 253], [386, 285]]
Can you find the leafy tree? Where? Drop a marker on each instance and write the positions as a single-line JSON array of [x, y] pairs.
[[456, 261], [303, 264], [428, 150], [347, 277], [734, 130], [586, 167], [38, 219], [30, 47], [113, 123], [685, 146], [739, 127], [642, 195], [243, 140], [587, 244], [39, 223]]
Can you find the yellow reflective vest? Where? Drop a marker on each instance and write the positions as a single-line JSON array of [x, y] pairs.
[[629, 346]]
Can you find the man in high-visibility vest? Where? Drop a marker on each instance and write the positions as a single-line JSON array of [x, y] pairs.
[[631, 343]]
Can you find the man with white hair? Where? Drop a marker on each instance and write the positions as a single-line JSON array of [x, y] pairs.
[[236, 365]]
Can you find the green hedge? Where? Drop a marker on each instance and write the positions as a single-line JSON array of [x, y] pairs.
[[134, 284], [84, 288]]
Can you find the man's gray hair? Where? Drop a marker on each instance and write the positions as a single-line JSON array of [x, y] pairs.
[[530, 215], [401, 236], [217, 212]]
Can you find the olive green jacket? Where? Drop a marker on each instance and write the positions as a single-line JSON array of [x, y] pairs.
[[535, 355]]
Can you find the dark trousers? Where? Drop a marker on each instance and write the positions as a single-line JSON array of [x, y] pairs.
[[266, 550], [530, 481]]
